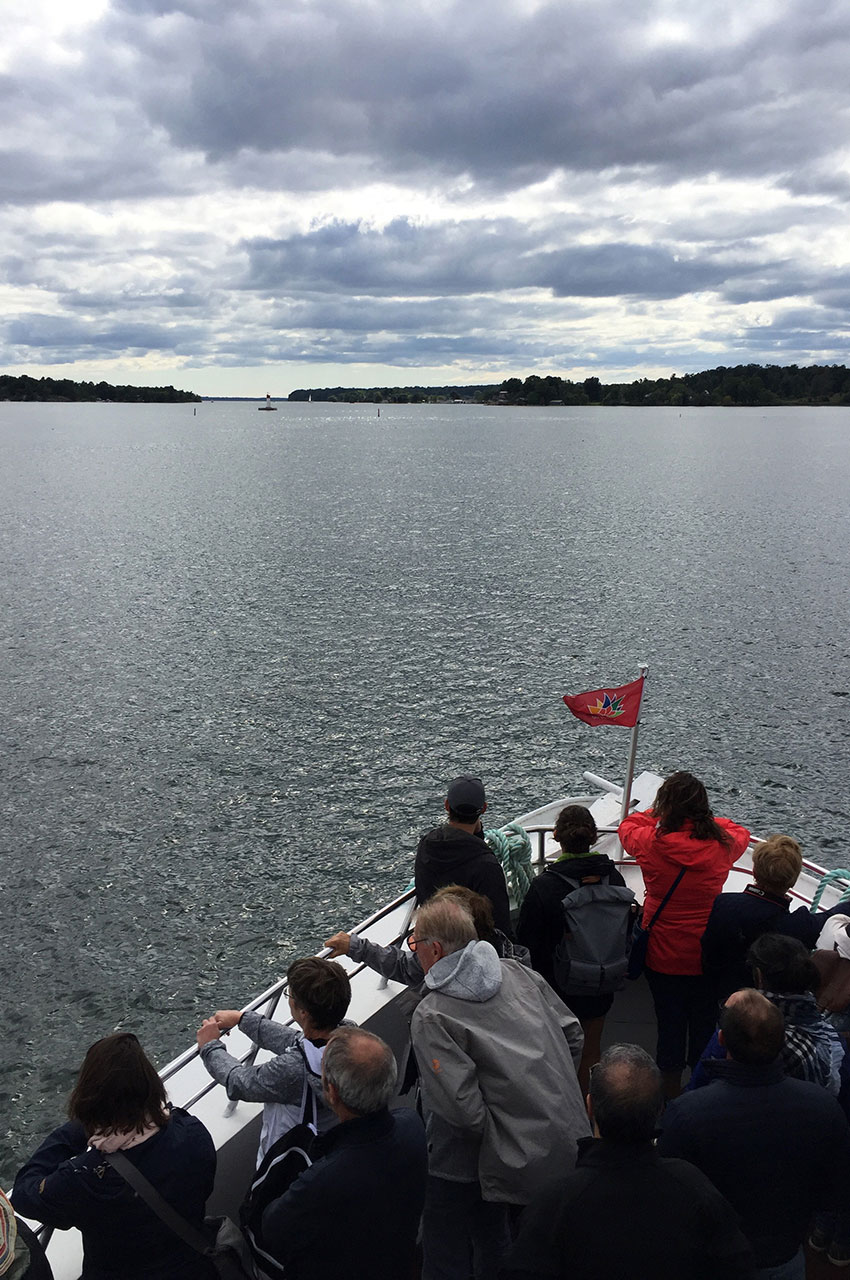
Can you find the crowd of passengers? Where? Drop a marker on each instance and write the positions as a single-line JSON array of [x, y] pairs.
[[508, 1145]]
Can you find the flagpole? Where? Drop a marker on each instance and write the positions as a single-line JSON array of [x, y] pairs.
[[630, 772]]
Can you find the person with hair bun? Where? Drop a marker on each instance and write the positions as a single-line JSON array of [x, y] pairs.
[[541, 920], [680, 833], [119, 1104]]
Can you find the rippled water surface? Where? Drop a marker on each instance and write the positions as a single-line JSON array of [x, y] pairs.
[[243, 652]]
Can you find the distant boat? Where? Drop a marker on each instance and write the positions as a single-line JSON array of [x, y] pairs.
[[268, 407]]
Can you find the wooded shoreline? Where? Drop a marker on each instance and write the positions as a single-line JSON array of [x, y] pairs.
[[742, 385], [25, 388]]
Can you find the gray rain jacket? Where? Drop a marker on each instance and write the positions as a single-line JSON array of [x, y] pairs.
[[497, 1052], [280, 1083]]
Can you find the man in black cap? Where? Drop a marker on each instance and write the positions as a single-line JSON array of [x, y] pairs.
[[456, 853]]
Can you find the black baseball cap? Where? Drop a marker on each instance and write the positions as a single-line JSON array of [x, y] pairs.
[[466, 796]]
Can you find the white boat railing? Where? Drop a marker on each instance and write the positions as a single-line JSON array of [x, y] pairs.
[[839, 879], [270, 999], [538, 831]]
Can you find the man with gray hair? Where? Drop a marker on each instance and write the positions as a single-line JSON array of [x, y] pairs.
[[356, 1210], [497, 1051], [684, 1226]]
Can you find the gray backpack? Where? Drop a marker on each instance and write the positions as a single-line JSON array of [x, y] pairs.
[[592, 957]]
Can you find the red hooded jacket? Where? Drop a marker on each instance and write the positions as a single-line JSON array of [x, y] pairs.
[[674, 940]]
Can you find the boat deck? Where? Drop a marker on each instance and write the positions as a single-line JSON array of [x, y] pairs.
[[385, 1008]]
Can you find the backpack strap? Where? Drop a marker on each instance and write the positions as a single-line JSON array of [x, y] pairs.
[[308, 1098]]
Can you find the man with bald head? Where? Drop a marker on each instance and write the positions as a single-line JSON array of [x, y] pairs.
[[776, 1148], [622, 1192], [356, 1210]]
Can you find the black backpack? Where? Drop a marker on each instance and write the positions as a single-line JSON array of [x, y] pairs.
[[285, 1160], [592, 957]]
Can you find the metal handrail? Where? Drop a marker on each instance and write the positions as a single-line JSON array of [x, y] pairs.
[[276, 991], [541, 831], [273, 996]]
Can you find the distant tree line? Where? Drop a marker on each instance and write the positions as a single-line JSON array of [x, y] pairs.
[[64, 389], [745, 384], [393, 395]]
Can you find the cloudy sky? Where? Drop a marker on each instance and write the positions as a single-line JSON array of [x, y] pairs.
[[248, 195]]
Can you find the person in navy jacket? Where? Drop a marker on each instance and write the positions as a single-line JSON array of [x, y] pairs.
[[119, 1104], [738, 919], [355, 1212]]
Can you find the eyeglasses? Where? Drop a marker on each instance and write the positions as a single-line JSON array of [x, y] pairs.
[[413, 943]]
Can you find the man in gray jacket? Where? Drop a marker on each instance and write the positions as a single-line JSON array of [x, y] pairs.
[[290, 1083], [497, 1053]]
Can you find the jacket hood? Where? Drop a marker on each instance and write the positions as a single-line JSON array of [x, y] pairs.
[[472, 974], [449, 845]]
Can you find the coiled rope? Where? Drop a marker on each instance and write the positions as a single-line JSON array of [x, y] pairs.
[[830, 878], [512, 847]]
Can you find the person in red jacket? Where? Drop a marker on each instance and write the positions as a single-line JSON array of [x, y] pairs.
[[681, 831]]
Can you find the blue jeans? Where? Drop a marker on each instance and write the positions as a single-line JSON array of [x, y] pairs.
[[463, 1236], [793, 1269]]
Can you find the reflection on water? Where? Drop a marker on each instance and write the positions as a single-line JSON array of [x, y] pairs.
[[242, 657]]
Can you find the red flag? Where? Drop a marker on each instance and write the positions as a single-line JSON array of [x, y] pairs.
[[608, 706]]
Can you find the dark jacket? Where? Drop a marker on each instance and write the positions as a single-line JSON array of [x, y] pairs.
[[448, 855], [737, 919], [65, 1185], [355, 1212], [624, 1211], [777, 1149], [813, 1049], [541, 918]]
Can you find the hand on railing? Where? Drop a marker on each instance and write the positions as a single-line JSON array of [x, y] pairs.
[[227, 1019], [208, 1031], [338, 945]]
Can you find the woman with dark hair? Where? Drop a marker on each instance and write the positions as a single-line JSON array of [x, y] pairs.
[[541, 920], [119, 1104], [681, 834]]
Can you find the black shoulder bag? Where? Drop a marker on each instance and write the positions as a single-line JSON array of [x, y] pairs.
[[640, 935]]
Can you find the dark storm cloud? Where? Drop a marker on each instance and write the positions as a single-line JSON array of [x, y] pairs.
[[691, 157], [58, 339], [498, 93], [505, 95], [470, 257]]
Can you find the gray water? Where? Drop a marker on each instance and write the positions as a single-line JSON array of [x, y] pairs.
[[242, 654]]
